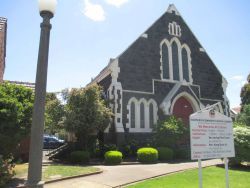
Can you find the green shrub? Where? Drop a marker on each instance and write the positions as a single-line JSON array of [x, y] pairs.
[[169, 132], [113, 157], [109, 147], [242, 145], [79, 156], [182, 153], [130, 148], [165, 153], [6, 170], [147, 155]]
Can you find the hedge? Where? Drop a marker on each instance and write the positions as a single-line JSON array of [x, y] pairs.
[[113, 157], [165, 153], [147, 155]]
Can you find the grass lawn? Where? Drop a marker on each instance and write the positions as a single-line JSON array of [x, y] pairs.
[[54, 171], [213, 177]]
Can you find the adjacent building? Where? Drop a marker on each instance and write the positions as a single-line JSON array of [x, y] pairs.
[[3, 36]]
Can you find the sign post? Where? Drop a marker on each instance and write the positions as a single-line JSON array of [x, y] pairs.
[[226, 171], [200, 173], [211, 136]]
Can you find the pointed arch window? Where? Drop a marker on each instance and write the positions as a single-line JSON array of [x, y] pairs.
[[185, 66], [142, 115], [176, 75], [165, 61], [151, 115], [132, 114], [175, 61]]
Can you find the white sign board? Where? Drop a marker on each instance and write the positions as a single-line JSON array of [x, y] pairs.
[[211, 135]]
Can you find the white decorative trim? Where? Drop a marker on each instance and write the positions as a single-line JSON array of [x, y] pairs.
[[172, 9], [155, 110], [226, 101], [215, 100], [170, 59], [157, 80], [202, 50], [185, 46], [115, 70], [144, 35], [137, 114], [166, 103], [140, 92], [190, 99], [174, 29]]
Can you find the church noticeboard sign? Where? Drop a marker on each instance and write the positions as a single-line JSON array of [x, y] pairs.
[[211, 135]]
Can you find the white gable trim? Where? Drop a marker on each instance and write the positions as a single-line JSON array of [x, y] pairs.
[[172, 9]]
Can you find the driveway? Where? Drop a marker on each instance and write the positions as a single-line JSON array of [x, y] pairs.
[[118, 176]]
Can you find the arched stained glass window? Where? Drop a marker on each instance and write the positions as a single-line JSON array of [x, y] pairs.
[[142, 115], [165, 61], [132, 114], [185, 68], [175, 61]]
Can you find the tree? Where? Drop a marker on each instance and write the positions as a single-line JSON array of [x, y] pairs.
[[244, 116], [245, 93], [169, 132], [16, 104], [86, 113], [54, 113], [242, 145]]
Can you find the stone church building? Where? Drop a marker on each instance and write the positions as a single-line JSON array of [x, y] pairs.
[[166, 71]]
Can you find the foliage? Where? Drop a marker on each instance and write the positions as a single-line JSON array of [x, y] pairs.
[[79, 156], [245, 92], [147, 155], [130, 149], [242, 145], [16, 103], [6, 170], [113, 157], [182, 153], [54, 113], [86, 113], [109, 147], [165, 153], [168, 132], [244, 116]]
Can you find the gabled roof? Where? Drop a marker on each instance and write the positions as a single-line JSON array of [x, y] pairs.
[[171, 9]]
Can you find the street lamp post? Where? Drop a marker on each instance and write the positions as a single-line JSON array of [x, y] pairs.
[[47, 10]]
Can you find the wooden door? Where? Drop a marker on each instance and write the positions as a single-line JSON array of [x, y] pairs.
[[182, 109]]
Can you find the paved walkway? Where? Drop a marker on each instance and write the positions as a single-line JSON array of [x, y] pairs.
[[117, 176]]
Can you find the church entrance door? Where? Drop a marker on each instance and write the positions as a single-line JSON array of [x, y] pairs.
[[183, 109]]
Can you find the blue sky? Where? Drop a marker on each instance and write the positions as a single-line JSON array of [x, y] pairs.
[[86, 33]]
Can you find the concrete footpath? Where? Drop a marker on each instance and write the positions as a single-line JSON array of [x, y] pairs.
[[118, 176]]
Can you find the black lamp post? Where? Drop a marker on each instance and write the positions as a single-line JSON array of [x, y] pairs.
[[47, 10]]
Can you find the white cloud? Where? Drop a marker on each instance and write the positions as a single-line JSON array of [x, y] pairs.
[[117, 3], [237, 77], [93, 11], [243, 83]]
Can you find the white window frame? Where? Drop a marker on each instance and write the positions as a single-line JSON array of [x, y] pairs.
[[170, 60], [137, 114]]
